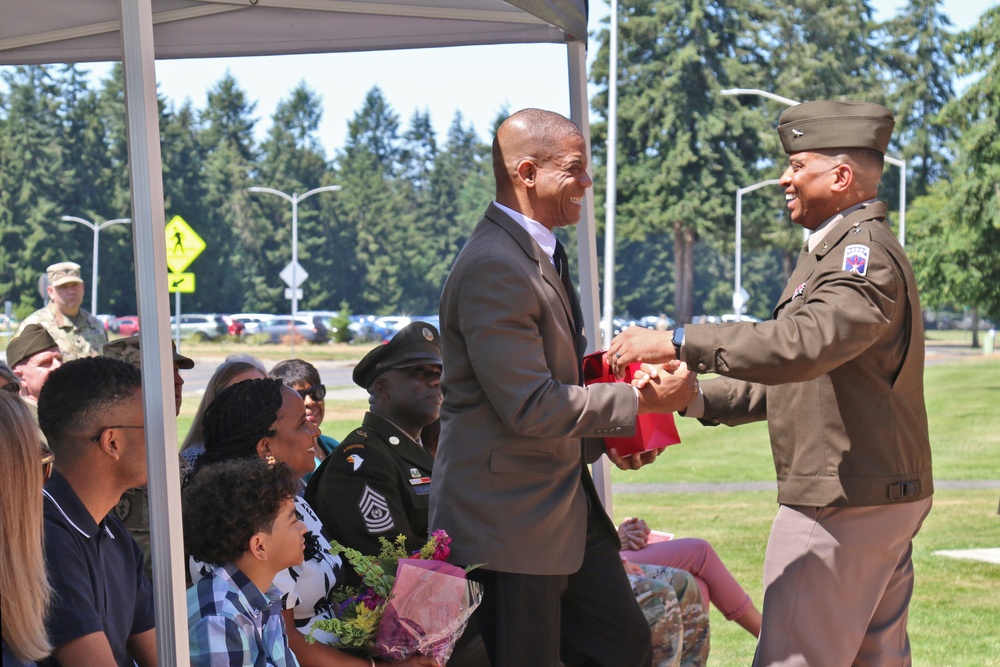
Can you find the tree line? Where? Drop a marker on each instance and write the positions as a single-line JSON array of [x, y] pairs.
[[385, 241]]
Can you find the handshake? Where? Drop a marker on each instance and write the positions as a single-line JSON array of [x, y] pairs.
[[665, 383]]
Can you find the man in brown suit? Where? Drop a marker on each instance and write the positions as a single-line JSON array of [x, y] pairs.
[[838, 375], [511, 483]]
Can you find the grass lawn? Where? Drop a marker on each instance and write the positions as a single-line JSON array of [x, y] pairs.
[[953, 616]]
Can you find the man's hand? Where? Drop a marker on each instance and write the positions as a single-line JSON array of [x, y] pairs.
[[665, 388], [634, 461], [640, 344]]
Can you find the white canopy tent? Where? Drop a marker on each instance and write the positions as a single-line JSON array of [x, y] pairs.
[[137, 32]]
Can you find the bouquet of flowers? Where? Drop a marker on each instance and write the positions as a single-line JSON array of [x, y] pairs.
[[408, 604]]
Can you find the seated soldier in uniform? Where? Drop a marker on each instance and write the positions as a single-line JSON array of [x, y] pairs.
[[377, 482]]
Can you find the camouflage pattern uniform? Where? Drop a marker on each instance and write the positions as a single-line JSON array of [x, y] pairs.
[[81, 336], [678, 618]]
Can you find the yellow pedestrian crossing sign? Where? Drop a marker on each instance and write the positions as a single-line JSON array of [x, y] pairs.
[[183, 245], [180, 282]]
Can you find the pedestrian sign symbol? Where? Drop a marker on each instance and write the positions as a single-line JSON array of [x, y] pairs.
[[180, 282], [183, 245]]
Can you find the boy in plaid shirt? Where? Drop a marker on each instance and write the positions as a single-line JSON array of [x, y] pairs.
[[239, 515]]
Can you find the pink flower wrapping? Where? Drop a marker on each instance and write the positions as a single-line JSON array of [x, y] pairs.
[[428, 609]]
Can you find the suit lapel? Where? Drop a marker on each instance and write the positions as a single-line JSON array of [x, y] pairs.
[[570, 302]]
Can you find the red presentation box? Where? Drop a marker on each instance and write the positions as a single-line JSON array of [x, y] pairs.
[[652, 431]]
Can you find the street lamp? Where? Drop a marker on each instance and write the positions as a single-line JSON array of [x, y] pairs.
[[97, 230], [611, 193], [737, 281], [891, 160], [295, 199]]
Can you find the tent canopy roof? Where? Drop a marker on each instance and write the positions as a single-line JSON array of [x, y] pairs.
[[66, 31]]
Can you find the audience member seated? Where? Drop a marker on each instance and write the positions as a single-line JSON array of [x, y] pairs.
[[25, 587], [678, 616], [378, 482], [240, 516], [699, 558], [133, 508], [303, 377], [266, 419], [90, 410], [229, 372]]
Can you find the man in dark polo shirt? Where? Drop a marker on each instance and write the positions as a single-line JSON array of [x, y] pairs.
[[90, 410]]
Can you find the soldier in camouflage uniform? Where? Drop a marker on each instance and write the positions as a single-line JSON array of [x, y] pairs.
[[133, 508], [75, 331], [678, 618]]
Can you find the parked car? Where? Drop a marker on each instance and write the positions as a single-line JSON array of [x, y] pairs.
[[105, 319], [365, 329], [201, 327], [235, 327], [251, 322], [306, 329], [126, 325], [731, 317]]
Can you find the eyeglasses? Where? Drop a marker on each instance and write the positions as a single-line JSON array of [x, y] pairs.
[[317, 392], [48, 460], [105, 428], [11, 387]]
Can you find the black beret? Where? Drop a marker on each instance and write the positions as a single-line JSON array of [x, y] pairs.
[[826, 124], [415, 344], [32, 340]]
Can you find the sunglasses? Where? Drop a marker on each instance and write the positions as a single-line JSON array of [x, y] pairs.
[[48, 460], [316, 392]]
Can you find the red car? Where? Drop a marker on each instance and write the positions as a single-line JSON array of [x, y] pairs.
[[124, 326], [235, 327]]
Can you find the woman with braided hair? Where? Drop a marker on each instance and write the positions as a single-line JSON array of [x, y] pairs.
[[266, 419]]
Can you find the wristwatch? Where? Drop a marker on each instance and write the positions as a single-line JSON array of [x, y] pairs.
[[678, 340]]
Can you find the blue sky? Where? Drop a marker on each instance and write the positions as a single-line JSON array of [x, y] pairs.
[[477, 81]]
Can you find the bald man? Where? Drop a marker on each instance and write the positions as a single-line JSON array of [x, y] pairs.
[[511, 483]]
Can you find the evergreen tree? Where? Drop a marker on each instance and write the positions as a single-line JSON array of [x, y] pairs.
[[680, 155]]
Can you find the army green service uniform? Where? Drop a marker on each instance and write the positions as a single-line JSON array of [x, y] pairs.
[[375, 484]]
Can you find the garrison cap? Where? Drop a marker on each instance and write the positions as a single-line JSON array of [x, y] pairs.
[[825, 124], [64, 273], [32, 340], [127, 349], [415, 344]]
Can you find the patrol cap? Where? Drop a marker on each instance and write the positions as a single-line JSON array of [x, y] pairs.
[[827, 124], [32, 340], [64, 273], [415, 344], [127, 349]]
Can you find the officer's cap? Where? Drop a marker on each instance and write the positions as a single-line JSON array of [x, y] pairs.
[[32, 340], [64, 273], [825, 124], [415, 344], [127, 349]]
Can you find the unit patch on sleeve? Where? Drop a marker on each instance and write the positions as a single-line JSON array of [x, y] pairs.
[[375, 511], [355, 460], [856, 259]]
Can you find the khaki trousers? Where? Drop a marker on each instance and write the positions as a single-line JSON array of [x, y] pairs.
[[837, 586]]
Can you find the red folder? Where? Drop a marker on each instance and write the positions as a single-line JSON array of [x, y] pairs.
[[652, 431]]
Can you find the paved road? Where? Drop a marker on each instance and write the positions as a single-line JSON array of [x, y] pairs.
[[336, 375]]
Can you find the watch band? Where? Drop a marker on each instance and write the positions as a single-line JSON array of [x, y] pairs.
[[678, 341]]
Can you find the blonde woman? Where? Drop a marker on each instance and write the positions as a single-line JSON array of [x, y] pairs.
[[22, 568]]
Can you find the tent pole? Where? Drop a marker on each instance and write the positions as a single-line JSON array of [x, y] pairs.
[[586, 240], [149, 247]]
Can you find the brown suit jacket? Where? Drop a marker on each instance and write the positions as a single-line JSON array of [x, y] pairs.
[[838, 373], [510, 480]]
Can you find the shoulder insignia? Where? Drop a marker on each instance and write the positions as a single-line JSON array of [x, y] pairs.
[[375, 511], [362, 433], [343, 449], [856, 259], [356, 460]]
